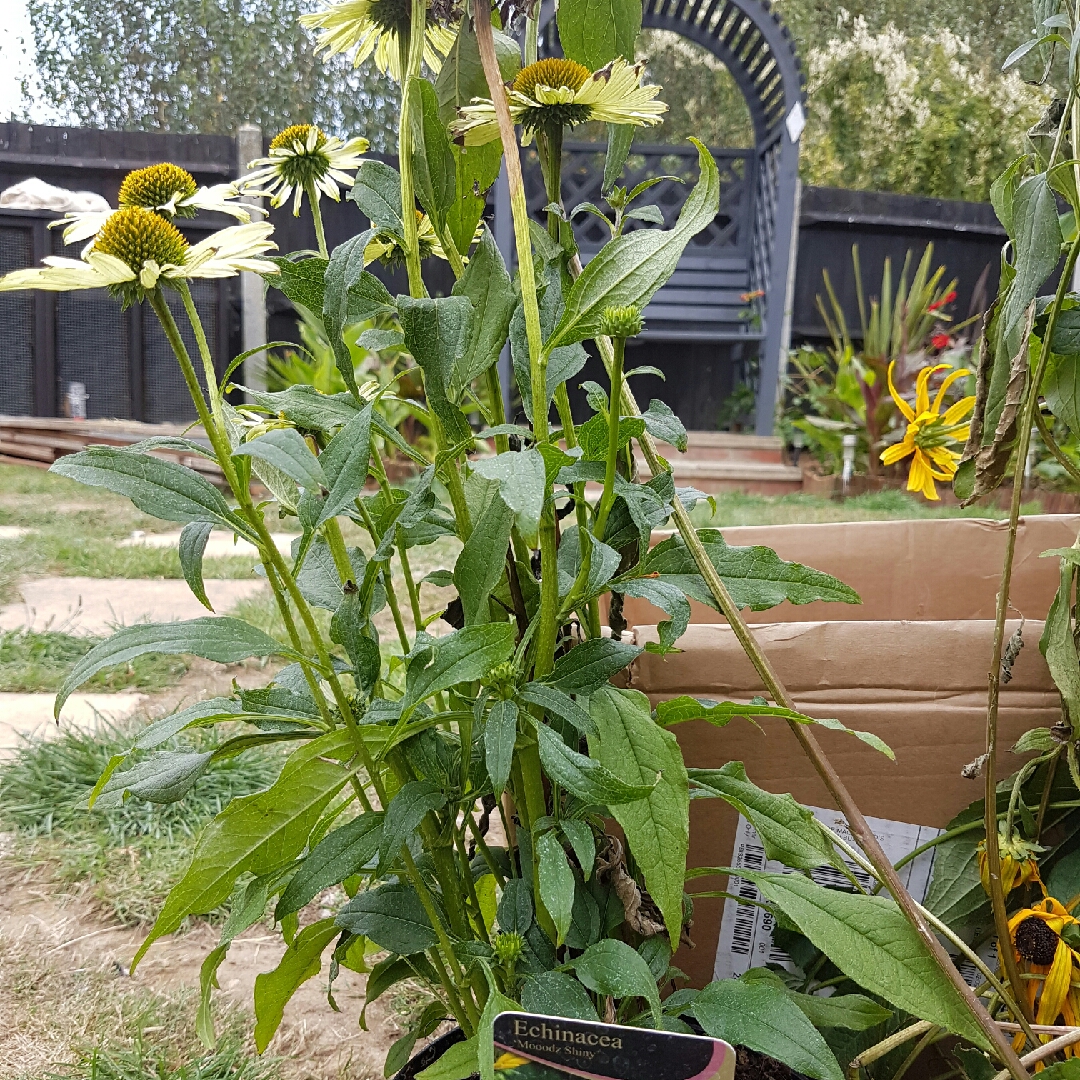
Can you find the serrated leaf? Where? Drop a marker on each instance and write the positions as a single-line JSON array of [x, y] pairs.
[[554, 993], [588, 666], [487, 285], [345, 851], [667, 597], [628, 270], [663, 424], [392, 916], [302, 961], [756, 577], [300, 280], [522, 485], [482, 561], [377, 191], [463, 656], [584, 776], [256, 833], [223, 639], [763, 1017], [306, 407], [285, 449], [193, 539], [500, 734], [603, 562], [636, 749], [869, 939], [165, 489], [345, 463], [164, 777], [556, 882], [612, 967]]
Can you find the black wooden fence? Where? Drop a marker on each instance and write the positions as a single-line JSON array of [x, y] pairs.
[[50, 340]]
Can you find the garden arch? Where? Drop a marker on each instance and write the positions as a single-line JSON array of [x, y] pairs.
[[750, 247]]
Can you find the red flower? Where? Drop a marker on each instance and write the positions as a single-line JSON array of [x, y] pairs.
[[948, 298], [940, 340]]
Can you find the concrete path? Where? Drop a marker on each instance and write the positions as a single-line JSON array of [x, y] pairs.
[[12, 532], [24, 715], [96, 606], [219, 546]]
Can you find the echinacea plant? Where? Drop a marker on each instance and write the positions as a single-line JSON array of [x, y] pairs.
[[452, 794]]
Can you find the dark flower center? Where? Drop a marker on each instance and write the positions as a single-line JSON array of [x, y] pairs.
[[1035, 941], [391, 15]]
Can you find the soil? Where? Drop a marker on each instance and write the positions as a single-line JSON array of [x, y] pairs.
[[750, 1065]]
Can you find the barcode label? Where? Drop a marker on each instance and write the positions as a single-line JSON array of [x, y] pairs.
[[746, 929]]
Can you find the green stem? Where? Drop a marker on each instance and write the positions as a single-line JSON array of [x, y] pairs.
[[209, 373], [336, 542], [608, 498], [411, 57], [316, 216], [1051, 444]]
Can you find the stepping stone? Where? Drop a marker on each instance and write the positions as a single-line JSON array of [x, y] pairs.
[[97, 606], [13, 532], [31, 715], [220, 545]]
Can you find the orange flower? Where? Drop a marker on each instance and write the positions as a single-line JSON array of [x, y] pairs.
[[929, 431]]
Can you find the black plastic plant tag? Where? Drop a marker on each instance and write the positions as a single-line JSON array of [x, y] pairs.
[[532, 1047]]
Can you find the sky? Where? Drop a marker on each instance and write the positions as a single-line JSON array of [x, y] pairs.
[[15, 57]]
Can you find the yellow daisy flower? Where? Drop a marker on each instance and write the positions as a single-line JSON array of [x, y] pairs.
[[1019, 864], [553, 94], [929, 432], [376, 26]]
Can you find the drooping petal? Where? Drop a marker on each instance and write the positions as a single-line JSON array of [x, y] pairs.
[[81, 226], [898, 451], [956, 412], [1056, 987], [922, 392], [906, 410], [920, 478], [949, 379], [477, 124]]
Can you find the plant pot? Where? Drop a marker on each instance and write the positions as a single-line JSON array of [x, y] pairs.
[[749, 1064]]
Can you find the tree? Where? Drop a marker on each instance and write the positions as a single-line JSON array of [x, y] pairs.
[[200, 66]]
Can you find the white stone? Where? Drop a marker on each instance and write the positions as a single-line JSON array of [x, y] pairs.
[[220, 545], [12, 532]]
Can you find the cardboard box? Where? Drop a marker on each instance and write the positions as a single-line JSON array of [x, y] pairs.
[[919, 683], [936, 568]]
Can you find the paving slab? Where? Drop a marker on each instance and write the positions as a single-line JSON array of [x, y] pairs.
[[31, 715], [220, 545], [97, 606], [13, 532]]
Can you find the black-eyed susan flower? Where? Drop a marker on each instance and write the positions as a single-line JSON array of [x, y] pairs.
[[1019, 861], [379, 26], [1036, 937], [929, 431], [550, 95], [137, 249], [166, 189], [304, 158]]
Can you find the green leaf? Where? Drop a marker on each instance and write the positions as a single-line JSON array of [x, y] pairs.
[[522, 485], [223, 639], [594, 32], [345, 463], [500, 734], [300, 280], [869, 939], [1064, 880], [319, 581], [407, 809], [351, 294], [1061, 387], [377, 191], [755, 576], [487, 285], [256, 833], [458, 1063], [612, 967], [556, 882], [580, 835], [584, 776], [286, 450], [1003, 191], [635, 748], [603, 562], [461, 76], [392, 916], [339, 854], [437, 333], [352, 628], [496, 1003], [663, 424], [594, 439], [463, 656], [788, 831], [1038, 248], [667, 597], [193, 539], [1058, 645], [975, 1064], [620, 138], [854, 1012], [763, 1017], [558, 704], [628, 270], [432, 162], [273, 989], [554, 993], [162, 488], [482, 562], [164, 777], [588, 666], [306, 407]]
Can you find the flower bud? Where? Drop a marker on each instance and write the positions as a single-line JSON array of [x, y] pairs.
[[508, 947], [621, 322]]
